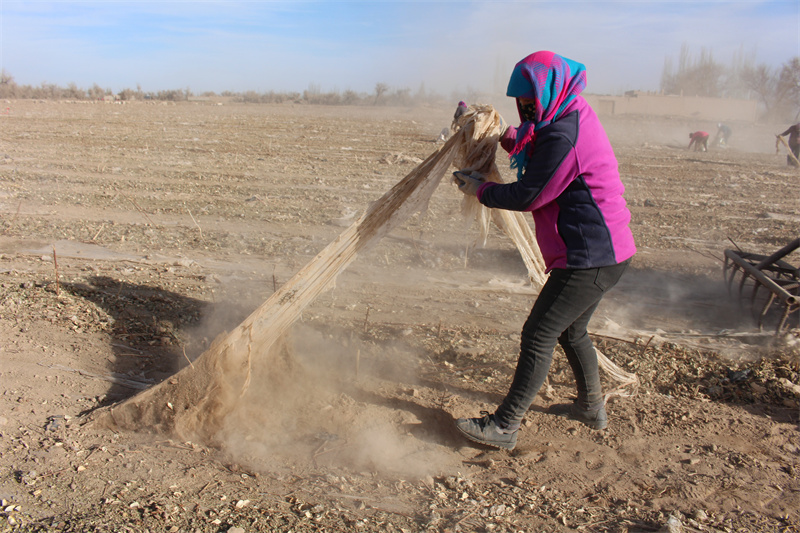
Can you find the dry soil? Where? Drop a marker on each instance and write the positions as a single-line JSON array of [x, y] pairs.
[[132, 235]]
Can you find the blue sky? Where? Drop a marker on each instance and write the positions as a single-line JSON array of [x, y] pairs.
[[335, 46]]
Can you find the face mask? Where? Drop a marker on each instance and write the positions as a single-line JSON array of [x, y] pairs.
[[528, 111]]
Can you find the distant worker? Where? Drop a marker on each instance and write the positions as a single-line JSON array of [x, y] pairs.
[[794, 144], [723, 134], [700, 141], [460, 110]]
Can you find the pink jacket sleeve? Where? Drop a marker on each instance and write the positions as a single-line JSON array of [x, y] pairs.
[[509, 139]]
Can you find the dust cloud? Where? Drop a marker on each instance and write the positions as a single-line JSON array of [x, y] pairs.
[[324, 402], [692, 310]]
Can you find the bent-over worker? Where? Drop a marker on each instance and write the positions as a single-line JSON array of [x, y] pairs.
[[700, 141]]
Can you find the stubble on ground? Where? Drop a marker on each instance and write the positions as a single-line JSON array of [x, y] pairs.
[[133, 235]]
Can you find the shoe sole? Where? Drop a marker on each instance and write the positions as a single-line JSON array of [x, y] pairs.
[[597, 426], [501, 446], [591, 424]]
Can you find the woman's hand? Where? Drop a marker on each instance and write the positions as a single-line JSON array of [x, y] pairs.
[[468, 182]]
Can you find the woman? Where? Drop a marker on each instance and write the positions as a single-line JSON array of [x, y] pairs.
[[568, 178]]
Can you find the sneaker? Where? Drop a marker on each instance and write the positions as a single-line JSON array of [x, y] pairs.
[[594, 418], [485, 430]]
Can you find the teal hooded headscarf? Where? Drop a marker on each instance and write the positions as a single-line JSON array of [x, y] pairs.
[[553, 82]]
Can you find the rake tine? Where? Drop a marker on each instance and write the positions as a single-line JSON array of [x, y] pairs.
[[764, 310]]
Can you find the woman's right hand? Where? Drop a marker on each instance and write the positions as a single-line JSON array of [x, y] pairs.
[[468, 182]]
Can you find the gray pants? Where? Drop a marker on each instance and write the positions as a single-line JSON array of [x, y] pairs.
[[561, 314]]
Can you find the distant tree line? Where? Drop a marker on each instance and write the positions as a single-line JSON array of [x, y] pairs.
[[50, 91], [383, 95], [776, 89]]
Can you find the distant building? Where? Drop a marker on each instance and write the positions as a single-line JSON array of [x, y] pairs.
[[654, 104]]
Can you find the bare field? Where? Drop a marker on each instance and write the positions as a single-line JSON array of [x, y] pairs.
[[132, 235]]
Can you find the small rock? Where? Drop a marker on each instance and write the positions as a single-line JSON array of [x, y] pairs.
[[497, 510], [737, 376], [789, 386], [54, 423], [673, 525]]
